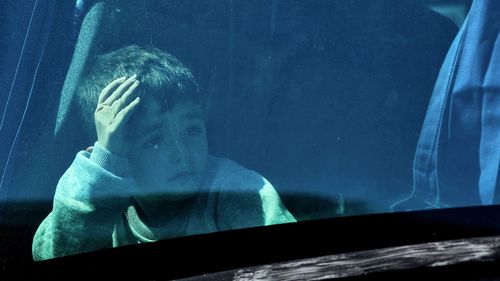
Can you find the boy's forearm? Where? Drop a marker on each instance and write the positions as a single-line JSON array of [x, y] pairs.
[[87, 203], [66, 232]]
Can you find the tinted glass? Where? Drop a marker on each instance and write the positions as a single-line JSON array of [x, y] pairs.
[[249, 113]]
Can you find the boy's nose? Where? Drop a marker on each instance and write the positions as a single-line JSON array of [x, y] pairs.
[[178, 154]]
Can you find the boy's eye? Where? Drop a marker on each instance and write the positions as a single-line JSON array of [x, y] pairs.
[[193, 131], [154, 142]]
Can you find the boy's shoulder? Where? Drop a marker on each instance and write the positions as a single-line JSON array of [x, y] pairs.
[[226, 173], [240, 197]]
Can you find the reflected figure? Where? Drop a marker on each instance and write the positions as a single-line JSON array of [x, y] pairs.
[[148, 176], [457, 158]]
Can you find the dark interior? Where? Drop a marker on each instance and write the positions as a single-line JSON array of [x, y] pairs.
[[286, 83]]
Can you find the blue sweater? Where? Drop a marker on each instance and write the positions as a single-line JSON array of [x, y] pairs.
[[91, 211]]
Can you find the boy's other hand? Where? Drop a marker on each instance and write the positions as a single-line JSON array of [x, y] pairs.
[[116, 104]]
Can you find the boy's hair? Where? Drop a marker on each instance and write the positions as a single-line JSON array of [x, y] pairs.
[[163, 78]]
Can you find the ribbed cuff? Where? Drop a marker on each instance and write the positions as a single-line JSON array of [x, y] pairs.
[[115, 164]]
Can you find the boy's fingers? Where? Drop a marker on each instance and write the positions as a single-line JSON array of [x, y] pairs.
[[125, 99], [123, 116], [108, 90], [119, 91]]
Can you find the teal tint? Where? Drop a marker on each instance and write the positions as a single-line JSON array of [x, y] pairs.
[[317, 105]]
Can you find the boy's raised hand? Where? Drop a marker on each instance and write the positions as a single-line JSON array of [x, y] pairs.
[[116, 104]]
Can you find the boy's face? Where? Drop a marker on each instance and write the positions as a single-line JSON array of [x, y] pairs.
[[168, 150]]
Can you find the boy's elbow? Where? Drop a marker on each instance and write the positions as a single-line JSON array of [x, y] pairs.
[[41, 248]]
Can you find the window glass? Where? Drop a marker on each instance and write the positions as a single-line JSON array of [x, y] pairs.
[[240, 114]]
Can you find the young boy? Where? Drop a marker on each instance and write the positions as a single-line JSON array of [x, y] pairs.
[[148, 176]]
